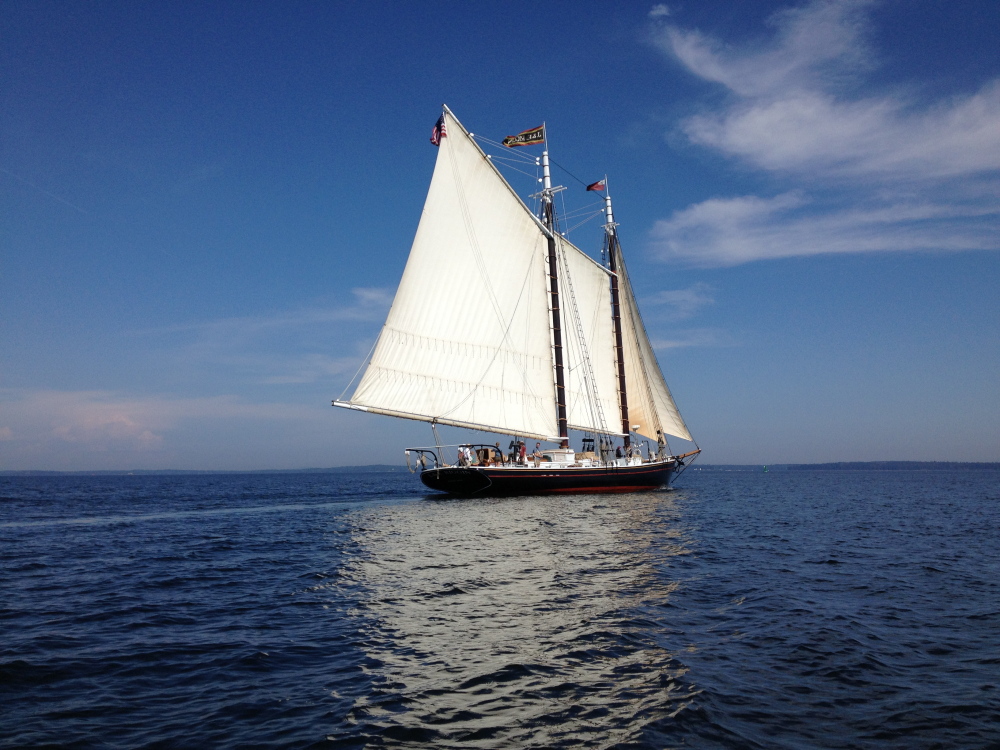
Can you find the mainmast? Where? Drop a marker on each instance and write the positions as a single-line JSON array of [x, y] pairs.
[[548, 216], [614, 249]]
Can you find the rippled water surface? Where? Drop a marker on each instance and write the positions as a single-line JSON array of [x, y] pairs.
[[780, 610]]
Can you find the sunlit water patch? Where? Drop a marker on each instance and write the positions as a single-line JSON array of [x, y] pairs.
[[516, 622]]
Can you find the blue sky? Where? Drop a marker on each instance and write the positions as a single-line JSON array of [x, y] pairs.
[[205, 210]]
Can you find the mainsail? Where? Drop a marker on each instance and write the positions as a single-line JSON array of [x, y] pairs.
[[468, 340]]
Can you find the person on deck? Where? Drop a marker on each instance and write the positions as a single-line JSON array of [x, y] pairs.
[[619, 452], [522, 453], [498, 455], [661, 442], [537, 455]]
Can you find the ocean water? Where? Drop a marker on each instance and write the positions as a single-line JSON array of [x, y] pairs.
[[740, 610]]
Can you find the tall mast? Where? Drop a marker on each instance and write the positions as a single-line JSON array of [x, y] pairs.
[[548, 216], [614, 249]]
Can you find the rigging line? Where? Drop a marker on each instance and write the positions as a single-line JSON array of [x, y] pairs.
[[363, 363], [588, 211], [635, 316], [576, 392], [629, 306], [584, 221], [582, 215], [559, 216], [553, 161], [456, 445], [585, 209], [524, 373], [474, 240], [512, 167], [512, 154], [484, 273], [501, 156], [591, 395]]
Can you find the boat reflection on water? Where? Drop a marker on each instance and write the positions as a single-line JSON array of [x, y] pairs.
[[527, 621]]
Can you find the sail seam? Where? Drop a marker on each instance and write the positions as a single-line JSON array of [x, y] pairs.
[[458, 386]]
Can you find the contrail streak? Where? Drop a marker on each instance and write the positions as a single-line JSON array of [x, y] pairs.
[[29, 183]]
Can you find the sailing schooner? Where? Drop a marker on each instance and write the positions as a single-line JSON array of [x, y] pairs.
[[501, 324]]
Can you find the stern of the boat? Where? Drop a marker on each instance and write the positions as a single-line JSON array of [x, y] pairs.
[[456, 480]]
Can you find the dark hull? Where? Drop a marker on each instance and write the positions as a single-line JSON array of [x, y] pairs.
[[466, 481]]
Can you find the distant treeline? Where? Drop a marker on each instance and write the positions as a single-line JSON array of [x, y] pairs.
[[372, 468], [857, 466], [896, 466]]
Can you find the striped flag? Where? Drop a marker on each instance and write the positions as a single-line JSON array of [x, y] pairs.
[[439, 131], [526, 137], [599, 185]]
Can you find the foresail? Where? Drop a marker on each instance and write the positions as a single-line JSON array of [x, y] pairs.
[[650, 404], [588, 335], [467, 338]]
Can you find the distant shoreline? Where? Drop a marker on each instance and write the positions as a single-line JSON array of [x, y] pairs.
[[368, 469], [859, 466], [387, 468]]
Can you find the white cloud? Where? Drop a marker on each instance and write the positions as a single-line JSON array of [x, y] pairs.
[[815, 45], [659, 10], [720, 232], [884, 139], [894, 173]]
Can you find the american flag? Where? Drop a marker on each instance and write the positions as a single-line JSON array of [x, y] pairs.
[[439, 131], [599, 185]]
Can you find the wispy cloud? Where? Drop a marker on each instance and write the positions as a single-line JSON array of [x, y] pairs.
[[868, 172], [693, 337], [304, 345], [682, 303], [311, 368], [367, 304]]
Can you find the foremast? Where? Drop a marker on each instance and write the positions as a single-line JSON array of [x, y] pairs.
[[549, 219], [614, 250]]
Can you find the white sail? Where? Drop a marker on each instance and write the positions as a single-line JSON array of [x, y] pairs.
[[588, 335], [650, 404], [467, 341]]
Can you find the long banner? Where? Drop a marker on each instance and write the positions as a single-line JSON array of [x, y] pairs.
[[526, 138]]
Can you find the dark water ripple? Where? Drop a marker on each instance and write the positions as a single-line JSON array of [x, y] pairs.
[[780, 610]]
